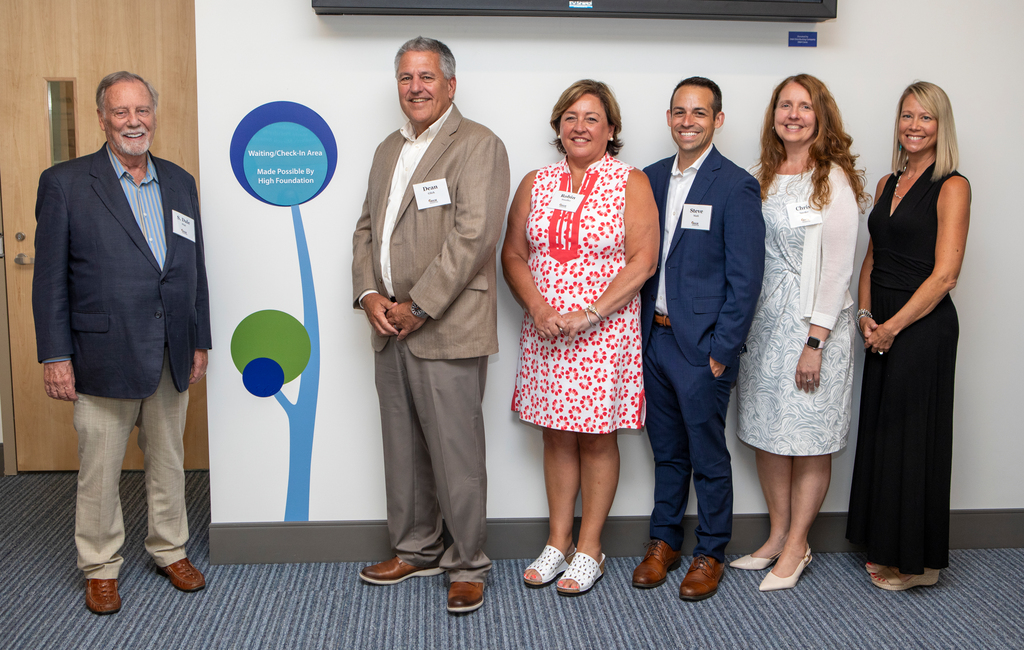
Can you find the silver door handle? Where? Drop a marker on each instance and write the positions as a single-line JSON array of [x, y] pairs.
[[24, 259]]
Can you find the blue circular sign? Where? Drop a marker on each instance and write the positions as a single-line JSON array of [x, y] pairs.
[[285, 163], [283, 153]]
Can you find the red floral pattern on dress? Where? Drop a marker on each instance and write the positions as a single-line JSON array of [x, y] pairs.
[[593, 382]]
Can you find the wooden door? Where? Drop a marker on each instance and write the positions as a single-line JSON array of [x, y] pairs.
[[81, 40]]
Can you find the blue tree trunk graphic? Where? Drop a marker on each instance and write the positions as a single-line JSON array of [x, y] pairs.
[[302, 414]]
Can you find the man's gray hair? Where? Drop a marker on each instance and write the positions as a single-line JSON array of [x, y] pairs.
[[118, 77], [424, 44]]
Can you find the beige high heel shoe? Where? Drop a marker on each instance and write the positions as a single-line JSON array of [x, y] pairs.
[[773, 582], [751, 563]]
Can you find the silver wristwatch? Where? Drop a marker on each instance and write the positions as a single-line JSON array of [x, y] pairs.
[[417, 311]]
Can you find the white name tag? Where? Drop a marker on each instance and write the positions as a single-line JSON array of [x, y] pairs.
[[695, 217], [568, 201], [802, 214], [432, 194], [183, 226]]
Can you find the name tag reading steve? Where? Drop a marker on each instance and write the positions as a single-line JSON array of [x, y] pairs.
[[184, 226], [695, 217], [802, 214], [567, 201], [431, 194]]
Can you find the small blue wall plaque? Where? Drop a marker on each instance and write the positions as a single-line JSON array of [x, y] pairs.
[[803, 39]]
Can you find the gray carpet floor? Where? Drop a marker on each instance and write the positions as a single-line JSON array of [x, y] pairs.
[[978, 602]]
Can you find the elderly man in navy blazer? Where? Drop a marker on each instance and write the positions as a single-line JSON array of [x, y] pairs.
[[123, 327], [695, 314]]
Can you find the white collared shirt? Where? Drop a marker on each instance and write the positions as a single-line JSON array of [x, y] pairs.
[[679, 185], [412, 152]]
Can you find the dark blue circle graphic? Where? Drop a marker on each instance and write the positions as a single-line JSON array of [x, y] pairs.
[[272, 113], [263, 377]]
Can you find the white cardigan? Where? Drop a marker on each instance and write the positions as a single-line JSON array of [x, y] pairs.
[[829, 249]]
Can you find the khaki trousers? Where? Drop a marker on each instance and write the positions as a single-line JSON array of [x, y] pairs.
[[434, 462], [104, 425]]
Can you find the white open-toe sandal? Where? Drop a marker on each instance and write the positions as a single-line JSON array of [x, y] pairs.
[[585, 570], [548, 566]]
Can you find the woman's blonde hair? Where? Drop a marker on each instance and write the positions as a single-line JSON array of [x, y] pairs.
[[934, 100], [831, 145]]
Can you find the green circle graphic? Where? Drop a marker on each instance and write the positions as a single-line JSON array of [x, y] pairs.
[[274, 335]]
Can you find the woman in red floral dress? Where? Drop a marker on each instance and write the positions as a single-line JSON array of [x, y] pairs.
[[582, 239]]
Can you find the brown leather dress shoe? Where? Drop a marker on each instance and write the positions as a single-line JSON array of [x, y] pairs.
[[184, 576], [659, 560], [101, 596], [702, 579], [465, 597], [394, 571]]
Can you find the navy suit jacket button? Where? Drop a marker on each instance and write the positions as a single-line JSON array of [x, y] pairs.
[[159, 314]]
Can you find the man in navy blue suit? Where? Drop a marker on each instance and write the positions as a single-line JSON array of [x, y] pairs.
[[695, 314], [122, 321]]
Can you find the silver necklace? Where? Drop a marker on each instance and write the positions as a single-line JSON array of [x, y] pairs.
[[899, 179], [896, 191]]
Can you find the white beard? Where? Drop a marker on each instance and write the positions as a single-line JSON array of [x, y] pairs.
[[127, 147]]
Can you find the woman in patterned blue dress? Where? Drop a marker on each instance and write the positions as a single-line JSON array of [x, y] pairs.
[[796, 380]]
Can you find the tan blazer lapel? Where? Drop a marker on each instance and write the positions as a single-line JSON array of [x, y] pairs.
[[391, 150], [441, 142]]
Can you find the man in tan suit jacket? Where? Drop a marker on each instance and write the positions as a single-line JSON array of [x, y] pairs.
[[424, 274]]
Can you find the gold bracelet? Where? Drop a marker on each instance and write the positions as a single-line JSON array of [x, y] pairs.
[[593, 310]]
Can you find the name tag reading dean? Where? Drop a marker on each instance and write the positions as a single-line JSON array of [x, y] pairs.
[[183, 226], [802, 214], [566, 201], [432, 194], [695, 217]]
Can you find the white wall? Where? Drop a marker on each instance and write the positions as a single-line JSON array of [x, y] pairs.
[[510, 71]]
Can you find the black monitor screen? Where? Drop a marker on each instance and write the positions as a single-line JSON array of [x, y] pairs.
[[779, 10]]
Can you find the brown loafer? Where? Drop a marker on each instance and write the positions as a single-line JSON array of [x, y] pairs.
[[659, 560], [101, 596], [184, 576], [394, 571], [702, 579], [465, 597]]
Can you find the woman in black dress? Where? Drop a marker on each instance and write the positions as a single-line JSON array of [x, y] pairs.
[[899, 500]]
